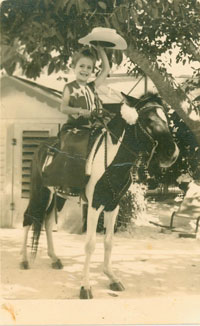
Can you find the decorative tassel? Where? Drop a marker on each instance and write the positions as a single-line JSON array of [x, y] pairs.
[[129, 114]]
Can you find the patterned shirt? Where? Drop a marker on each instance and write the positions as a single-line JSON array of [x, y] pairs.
[[80, 97]]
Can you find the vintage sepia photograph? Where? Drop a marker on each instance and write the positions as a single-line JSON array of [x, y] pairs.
[[100, 162]]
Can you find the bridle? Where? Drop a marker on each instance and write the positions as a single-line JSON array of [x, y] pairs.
[[145, 132], [154, 142], [138, 157]]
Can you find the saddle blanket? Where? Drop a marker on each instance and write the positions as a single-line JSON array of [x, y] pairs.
[[67, 167], [70, 166]]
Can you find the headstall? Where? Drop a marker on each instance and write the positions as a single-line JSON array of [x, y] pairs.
[[154, 142]]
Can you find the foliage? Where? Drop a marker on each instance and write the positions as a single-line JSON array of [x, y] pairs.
[[187, 162], [47, 31], [132, 207], [38, 34]]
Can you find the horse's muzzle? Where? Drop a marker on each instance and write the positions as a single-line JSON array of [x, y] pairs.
[[170, 159]]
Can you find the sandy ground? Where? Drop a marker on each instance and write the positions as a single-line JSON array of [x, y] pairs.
[[160, 272]]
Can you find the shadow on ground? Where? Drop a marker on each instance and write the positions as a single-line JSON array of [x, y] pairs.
[[149, 263]]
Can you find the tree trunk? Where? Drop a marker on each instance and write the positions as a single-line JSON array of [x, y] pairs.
[[176, 98]]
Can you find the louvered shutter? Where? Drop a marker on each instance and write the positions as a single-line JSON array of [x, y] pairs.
[[30, 141]]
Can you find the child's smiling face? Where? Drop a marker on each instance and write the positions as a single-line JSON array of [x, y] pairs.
[[83, 69]]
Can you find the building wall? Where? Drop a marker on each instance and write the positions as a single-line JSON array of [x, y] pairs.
[[19, 112], [2, 165]]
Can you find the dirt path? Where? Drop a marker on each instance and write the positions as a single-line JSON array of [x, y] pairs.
[[160, 272]]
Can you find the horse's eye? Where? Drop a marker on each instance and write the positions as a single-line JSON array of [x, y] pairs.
[[161, 114], [148, 119]]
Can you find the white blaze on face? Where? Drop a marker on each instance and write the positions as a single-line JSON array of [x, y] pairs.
[[161, 114]]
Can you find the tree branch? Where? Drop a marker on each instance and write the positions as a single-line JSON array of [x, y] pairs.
[[175, 97], [193, 50]]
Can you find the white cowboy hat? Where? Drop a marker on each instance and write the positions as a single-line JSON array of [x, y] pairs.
[[106, 37]]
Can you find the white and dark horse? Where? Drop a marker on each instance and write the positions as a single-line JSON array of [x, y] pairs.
[[140, 126]]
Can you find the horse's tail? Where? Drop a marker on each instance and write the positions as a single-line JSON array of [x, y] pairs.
[[39, 217], [39, 203], [39, 198]]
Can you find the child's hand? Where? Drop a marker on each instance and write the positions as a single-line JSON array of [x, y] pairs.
[[85, 113], [97, 46]]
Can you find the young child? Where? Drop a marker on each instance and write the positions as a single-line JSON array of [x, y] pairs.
[[67, 169], [79, 96]]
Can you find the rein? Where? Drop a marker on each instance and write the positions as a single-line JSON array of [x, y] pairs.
[[107, 174], [154, 142], [114, 136]]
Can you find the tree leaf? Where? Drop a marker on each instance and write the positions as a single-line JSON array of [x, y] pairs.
[[102, 5], [165, 6], [154, 12], [10, 67], [79, 6], [107, 22], [60, 37], [115, 22], [69, 5], [51, 68], [176, 6], [140, 4], [134, 15], [57, 67], [60, 4]]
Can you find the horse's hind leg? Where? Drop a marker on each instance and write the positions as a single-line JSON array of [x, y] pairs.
[[49, 222], [109, 222], [24, 259]]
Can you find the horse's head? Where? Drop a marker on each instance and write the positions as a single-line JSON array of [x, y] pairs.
[[153, 123]]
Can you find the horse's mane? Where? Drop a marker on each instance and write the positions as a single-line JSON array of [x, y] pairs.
[[149, 97], [116, 125]]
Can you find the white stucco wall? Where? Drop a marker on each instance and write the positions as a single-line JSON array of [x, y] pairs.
[[18, 105], [19, 112]]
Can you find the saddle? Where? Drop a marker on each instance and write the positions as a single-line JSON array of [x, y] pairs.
[[64, 167]]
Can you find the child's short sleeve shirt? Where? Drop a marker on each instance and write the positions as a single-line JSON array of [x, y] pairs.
[[81, 97]]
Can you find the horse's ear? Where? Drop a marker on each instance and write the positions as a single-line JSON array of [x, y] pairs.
[[130, 100]]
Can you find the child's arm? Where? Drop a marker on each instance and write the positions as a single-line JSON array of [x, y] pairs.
[[105, 66], [65, 108]]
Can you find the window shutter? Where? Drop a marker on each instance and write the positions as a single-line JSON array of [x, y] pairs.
[[30, 141]]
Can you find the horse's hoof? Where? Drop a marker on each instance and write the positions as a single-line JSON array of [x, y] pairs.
[[85, 294], [57, 265], [24, 264], [117, 286]]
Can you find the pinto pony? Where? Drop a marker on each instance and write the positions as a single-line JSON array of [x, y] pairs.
[[140, 126]]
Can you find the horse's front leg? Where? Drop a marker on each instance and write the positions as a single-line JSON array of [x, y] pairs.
[[109, 222], [24, 264], [49, 222], [92, 219]]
